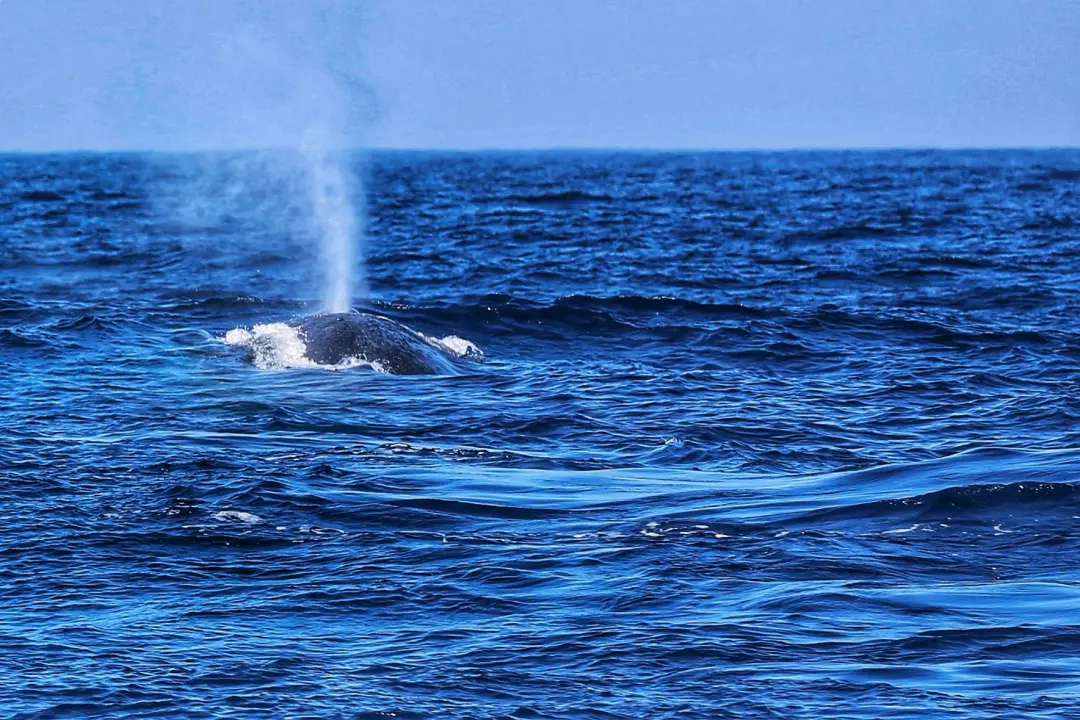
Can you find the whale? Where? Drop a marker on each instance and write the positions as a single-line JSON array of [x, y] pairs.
[[333, 338]]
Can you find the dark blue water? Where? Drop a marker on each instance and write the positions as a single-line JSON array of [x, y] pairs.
[[755, 435]]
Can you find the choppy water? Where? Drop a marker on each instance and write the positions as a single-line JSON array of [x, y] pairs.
[[754, 435]]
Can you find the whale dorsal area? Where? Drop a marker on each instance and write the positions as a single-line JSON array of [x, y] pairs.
[[333, 338]]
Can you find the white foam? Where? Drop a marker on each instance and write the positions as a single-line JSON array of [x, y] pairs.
[[455, 345], [237, 516], [900, 531], [237, 336], [654, 529], [273, 345]]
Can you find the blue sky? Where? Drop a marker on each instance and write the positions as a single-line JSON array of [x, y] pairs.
[[161, 74]]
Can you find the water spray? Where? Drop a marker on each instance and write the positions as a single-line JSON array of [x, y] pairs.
[[337, 224]]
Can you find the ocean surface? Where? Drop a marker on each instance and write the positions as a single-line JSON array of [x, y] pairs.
[[752, 435]]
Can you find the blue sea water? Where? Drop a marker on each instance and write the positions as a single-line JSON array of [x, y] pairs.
[[754, 435]]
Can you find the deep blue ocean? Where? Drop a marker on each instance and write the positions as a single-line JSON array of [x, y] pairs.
[[754, 435]]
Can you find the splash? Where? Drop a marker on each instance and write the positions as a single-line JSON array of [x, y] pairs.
[[457, 346], [278, 346], [273, 346]]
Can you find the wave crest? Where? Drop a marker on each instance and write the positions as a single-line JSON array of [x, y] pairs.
[[457, 346]]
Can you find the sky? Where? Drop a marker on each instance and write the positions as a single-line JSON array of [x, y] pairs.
[[466, 74]]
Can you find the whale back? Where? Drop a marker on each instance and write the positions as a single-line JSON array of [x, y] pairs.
[[336, 337]]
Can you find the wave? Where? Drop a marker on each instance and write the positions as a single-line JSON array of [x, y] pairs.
[[14, 339], [109, 195], [996, 491], [957, 504], [457, 346], [932, 328], [577, 312], [83, 322], [211, 302], [1068, 174], [898, 226], [482, 509], [125, 205], [986, 486], [42, 196], [566, 197], [14, 306], [679, 322], [1050, 221]]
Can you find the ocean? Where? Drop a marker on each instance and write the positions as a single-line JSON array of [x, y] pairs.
[[733, 435]]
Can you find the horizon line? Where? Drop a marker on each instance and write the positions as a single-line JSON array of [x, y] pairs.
[[548, 149]]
